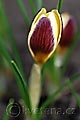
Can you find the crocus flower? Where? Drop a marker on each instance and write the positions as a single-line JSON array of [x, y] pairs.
[[44, 35], [66, 38], [68, 31]]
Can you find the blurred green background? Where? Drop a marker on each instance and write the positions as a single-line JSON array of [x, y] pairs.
[[20, 31]]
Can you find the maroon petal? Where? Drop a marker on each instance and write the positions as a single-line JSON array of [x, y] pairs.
[[68, 34], [42, 38]]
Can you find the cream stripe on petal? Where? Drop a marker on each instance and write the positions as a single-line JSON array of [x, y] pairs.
[[41, 14], [56, 24], [31, 32], [43, 11], [65, 19], [59, 24]]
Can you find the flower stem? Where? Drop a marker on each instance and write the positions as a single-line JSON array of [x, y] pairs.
[[35, 86], [59, 5]]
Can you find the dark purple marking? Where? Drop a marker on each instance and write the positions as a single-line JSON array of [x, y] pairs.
[[42, 38], [68, 34]]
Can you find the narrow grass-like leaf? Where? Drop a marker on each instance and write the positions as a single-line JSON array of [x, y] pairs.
[[3, 50], [75, 94], [23, 11], [6, 116], [68, 55], [39, 4], [52, 70], [51, 99], [19, 78], [59, 5], [55, 72], [22, 85], [7, 112], [32, 6], [11, 36]]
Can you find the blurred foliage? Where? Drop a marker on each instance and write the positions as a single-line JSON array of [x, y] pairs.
[[7, 40]]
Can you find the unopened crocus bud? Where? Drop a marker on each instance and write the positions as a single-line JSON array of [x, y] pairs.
[[68, 31], [66, 38], [44, 35]]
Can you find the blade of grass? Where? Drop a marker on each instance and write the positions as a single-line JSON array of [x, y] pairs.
[[11, 36], [54, 71], [59, 5], [2, 25], [7, 112], [39, 4], [19, 78], [52, 98], [68, 55], [76, 96], [22, 84], [31, 2], [6, 117], [23, 11], [3, 50]]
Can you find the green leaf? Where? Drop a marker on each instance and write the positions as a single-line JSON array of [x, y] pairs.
[[11, 39], [54, 71], [32, 6], [4, 51], [39, 4], [18, 75], [52, 98], [7, 112], [59, 5], [68, 55], [23, 11], [22, 85], [50, 69], [6, 116], [75, 94]]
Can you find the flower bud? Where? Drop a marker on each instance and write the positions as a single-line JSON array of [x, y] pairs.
[[66, 38], [68, 30], [44, 35]]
